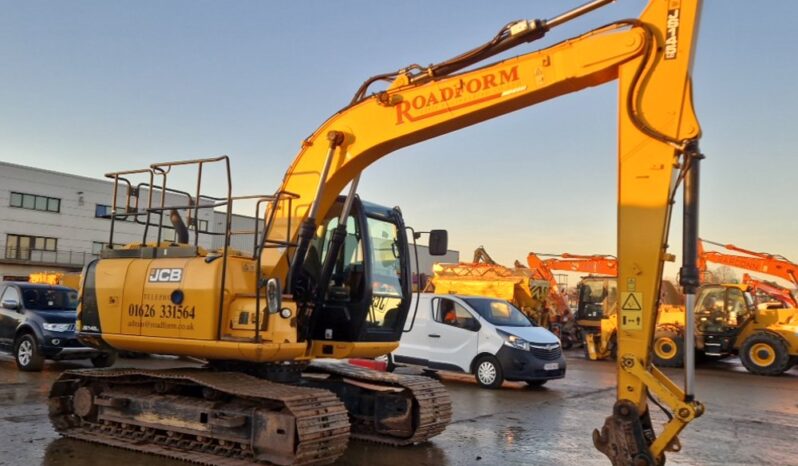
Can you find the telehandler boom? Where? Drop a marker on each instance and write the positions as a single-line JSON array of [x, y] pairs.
[[330, 278]]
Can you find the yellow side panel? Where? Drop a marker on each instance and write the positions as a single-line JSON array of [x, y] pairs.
[[110, 279], [241, 321], [132, 314], [160, 317], [265, 352]]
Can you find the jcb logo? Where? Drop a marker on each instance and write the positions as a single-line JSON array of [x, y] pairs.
[[165, 275]]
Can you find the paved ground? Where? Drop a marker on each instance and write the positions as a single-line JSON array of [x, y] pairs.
[[749, 420]]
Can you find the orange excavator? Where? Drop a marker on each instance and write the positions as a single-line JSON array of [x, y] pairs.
[[765, 292], [570, 329], [774, 265], [542, 269]]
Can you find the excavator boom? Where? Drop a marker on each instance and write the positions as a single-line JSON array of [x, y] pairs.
[[771, 264], [658, 131], [594, 265]]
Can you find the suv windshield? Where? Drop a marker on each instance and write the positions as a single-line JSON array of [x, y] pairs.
[[46, 299], [499, 312]]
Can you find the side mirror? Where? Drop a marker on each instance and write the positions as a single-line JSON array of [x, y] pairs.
[[438, 242], [10, 304]]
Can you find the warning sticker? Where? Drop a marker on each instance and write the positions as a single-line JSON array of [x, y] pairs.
[[631, 301], [631, 310]]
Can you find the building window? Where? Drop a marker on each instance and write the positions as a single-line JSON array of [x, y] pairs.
[[105, 211], [97, 247], [203, 225], [20, 246], [102, 211], [35, 202], [169, 235]]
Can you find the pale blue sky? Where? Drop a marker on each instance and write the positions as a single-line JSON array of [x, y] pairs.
[[89, 87]]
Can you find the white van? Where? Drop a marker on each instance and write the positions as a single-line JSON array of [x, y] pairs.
[[487, 337]]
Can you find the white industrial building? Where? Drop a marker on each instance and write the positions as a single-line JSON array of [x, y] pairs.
[[52, 221]]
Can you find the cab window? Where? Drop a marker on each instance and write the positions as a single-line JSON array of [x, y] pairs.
[[450, 312], [346, 281], [736, 306], [386, 274]]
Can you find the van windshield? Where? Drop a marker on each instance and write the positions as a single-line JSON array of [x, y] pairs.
[[499, 312]]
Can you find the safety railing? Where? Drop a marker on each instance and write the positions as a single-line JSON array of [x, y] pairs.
[[150, 214]]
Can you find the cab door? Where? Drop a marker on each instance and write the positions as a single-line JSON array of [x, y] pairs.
[[452, 335]]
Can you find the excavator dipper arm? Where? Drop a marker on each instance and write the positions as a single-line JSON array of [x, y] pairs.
[[651, 57]]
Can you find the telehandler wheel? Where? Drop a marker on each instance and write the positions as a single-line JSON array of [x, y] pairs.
[[668, 349], [764, 353]]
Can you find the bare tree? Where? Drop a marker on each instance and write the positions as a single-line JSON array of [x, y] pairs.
[[724, 274]]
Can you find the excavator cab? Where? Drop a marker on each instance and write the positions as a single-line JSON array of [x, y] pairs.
[[366, 298], [596, 316], [597, 300]]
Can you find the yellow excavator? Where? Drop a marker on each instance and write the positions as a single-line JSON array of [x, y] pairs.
[[330, 277], [484, 277]]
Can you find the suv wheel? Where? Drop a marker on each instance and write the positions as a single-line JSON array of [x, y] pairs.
[[488, 372], [104, 360], [27, 355]]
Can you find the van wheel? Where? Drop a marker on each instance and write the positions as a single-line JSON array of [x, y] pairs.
[[488, 372], [104, 360], [668, 349], [27, 355], [765, 354]]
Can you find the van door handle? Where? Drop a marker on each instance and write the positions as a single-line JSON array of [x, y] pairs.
[[434, 335]]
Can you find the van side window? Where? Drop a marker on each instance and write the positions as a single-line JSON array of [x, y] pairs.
[[452, 313]]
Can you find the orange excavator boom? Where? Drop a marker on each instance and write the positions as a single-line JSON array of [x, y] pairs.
[[770, 264]]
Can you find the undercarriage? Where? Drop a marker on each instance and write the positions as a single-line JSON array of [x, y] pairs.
[[230, 418]]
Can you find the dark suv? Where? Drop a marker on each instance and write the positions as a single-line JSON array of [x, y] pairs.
[[37, 322]]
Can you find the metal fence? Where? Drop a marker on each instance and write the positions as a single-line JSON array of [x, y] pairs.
[[14, 254]]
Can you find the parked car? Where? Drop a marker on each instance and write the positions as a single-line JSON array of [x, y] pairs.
[[487, 337], [37, 322]]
